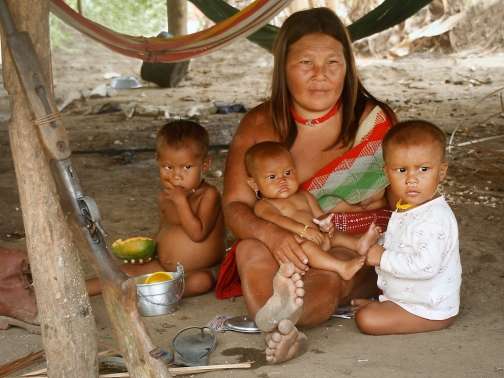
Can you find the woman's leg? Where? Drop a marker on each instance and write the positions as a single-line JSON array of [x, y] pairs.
[[388, 318], [273, 296], [324, 290]]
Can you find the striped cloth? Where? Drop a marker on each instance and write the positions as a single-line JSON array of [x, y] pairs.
[[357, 174]]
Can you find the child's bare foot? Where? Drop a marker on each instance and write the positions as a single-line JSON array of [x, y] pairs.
[[285, 343], [351, 267], [369, 238], [357, 304], [286, 301]]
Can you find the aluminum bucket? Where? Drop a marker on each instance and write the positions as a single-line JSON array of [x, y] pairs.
[[160, 298]]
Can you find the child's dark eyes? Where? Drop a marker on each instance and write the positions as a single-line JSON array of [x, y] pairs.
[[271, 176], [167, 167], [401, 170], [287, 173], [187, 166], [424, 169]]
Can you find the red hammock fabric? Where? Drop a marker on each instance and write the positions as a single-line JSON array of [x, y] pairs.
[[176, 49]]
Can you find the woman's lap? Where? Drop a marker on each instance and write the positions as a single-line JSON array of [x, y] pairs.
[[324, 290]]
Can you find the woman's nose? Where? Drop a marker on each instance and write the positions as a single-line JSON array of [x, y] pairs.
[[319, 72]]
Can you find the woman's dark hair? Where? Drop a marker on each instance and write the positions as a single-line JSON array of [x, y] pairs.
[[354, 95]]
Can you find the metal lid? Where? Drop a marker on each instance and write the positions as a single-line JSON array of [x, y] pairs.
[[241, 324]]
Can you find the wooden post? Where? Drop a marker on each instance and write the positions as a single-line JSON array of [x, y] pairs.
[[177, 17], [68, 326]]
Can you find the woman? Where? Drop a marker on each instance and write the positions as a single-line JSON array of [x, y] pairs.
[[317, 109]]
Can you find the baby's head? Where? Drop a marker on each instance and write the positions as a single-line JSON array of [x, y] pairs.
[[271, 169], [414, 154], [182, 154]]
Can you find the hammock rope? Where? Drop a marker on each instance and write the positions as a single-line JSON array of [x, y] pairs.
[[231, 24]]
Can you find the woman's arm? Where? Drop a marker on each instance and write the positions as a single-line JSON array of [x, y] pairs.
[[238, 199]]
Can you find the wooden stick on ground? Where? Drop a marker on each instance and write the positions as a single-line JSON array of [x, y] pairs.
[[174, 371]]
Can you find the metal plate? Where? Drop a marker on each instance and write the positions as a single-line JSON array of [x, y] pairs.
[[241, 324], [125, 82]]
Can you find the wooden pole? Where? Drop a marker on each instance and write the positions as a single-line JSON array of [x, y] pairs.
[[177, 17], [68, 326]]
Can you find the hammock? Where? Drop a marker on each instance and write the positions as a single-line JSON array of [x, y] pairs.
[[241, 24], [387, 14], [231, 24]]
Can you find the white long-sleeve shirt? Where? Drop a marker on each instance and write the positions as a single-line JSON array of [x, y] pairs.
[[420, 269]]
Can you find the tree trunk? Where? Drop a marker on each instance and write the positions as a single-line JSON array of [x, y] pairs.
[[177, 17], [68, 326]]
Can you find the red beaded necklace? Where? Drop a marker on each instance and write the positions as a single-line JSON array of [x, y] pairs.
[[316, 121]]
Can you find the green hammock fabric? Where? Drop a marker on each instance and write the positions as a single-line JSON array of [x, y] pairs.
[[384, 16]]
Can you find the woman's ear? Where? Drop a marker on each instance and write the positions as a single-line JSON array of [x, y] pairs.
[[206, 163], [252, 183]]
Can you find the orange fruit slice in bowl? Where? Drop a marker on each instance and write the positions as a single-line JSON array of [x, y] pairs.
[[158, 277]]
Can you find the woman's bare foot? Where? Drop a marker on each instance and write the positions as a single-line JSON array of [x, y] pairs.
[[369, 238], [286, 301], [349, 268], [357, 304], [285, 343]]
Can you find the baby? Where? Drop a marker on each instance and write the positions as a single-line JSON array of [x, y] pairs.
[[273, 177], [191, 223], [418, 266]]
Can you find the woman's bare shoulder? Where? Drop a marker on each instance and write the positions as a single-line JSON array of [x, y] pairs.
[[256, 121]]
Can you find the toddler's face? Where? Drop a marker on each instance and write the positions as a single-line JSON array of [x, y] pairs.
[[183, 167], [275, 177], [414, 172]]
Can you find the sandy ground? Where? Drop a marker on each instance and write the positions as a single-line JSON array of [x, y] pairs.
[[441, 88]]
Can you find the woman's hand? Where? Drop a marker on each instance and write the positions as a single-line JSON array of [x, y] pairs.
[[284, 246], [326, 224]]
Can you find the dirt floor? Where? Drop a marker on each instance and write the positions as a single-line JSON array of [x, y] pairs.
[[450, 90]]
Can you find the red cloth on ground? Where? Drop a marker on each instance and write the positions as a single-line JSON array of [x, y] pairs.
[[229, 284]]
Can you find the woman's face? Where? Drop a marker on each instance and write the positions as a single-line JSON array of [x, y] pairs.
[[316, 70]]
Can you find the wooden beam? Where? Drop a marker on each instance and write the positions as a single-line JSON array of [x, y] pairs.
[[68, 326]]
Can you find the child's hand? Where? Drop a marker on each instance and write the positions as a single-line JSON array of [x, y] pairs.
[[139, 262], [326, 224], [374, 254], [313, 235], [176, 193]]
